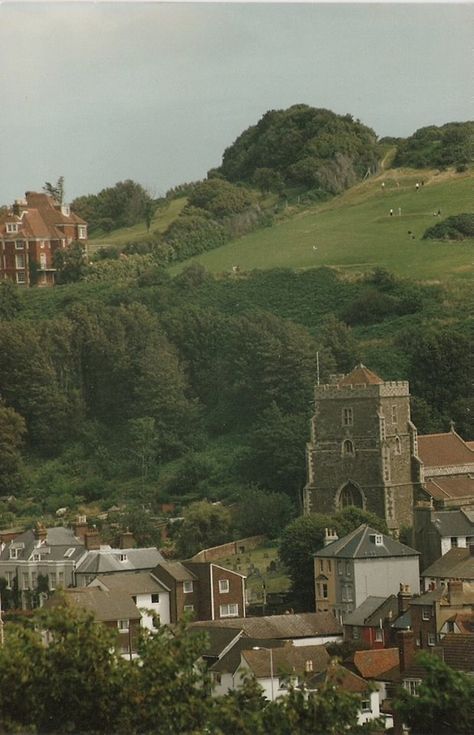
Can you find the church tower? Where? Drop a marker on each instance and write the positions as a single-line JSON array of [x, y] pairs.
[[361, 448]]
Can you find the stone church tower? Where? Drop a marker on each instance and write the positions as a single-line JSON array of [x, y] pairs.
[[363, 448]]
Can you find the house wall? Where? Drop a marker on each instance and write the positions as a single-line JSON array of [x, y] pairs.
[[382, 577], [161, 609], [374, 712]]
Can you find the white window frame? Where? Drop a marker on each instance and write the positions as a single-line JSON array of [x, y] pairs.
[[69, 552], [412, 685], [123, 557], [426, 613], [229, 610], [432, 639], [21, 276], [188, 586], [81, 232], [365, 704], [189, 608], [12, 227], [123, 625], [224, 586], [20, 261], [378, 635], [52, 580], [19, 245], [9, 577]]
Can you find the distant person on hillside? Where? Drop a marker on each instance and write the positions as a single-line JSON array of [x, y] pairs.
[[439, 212], [383, 185], [391, 213], [417, 186]]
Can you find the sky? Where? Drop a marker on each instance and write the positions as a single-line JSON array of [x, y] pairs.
[[154, 92]]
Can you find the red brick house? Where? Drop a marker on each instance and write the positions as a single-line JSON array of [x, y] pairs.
[[206, 590], [30, 233]]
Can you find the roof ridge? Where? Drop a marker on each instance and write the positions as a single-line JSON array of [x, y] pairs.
[[362, 537]]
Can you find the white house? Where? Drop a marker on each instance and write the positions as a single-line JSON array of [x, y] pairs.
[[151, 597]]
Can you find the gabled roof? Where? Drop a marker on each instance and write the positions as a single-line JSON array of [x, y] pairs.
[[175, 569], [231, 661], [287, 659], [453, 523], [104, 561], [455, 564], [458, 650], [444, 487], [360, 544], [360, 375], [58, 541], [302, 625], [372, 610], [340, 677], [444, 450], [374, 663], [133, 583], [217, 640], [464, 621], [106, 606]]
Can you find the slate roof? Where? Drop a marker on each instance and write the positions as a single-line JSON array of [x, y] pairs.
[[231, 662], [360, 375], [427, 598], [444, 487], [365, 611], [287, 659], [58, 541], [106, 606], [357, 545], [458, 651], [103, 561], [440, 450], [133, 583], [373, 664], [453, 523], [455, 564], [217, 639], [302, 625]]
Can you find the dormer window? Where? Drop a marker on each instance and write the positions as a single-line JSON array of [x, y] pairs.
[[123, 557], [12, 227], [378, 540], [14, 553], [348, 447], [36, 556]]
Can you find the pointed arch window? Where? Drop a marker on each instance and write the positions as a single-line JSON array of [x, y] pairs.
[[350, 495], [348, 447]]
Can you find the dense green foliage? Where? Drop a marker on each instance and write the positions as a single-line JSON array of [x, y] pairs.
[[118, 206], [444, 703], [457, 227], [79, 684], [305, 535], [432, 147], [305, 147]]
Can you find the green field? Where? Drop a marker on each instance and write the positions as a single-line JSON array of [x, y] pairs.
[[355, 231]]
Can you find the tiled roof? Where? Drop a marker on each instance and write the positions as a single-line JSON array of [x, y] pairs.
[[287, 659], [358, 545], [340, 677], [464, 621], [230, 662], [40, 219], [302, 625], [458, 650], [444, 450], [360, 375], [105, 605], [133, 583], [453, 523], [217, 639], [444, 487], [373, 664], [175, 569], [455, 564], [58, 541]]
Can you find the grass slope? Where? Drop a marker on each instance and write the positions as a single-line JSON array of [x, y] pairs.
[[355, 231]]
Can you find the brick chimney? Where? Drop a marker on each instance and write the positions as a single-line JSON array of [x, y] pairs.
[[471, 549], [455, 592], [404, 598], [92, 540], [40, 532], [127, 540], [406, 648], [80, 527]]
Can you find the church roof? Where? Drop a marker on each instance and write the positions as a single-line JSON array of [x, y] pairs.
[[441, 450], [362, 544], [360, 375]]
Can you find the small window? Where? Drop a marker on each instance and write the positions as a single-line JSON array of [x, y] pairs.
[[123, 625], [379, 635], [347, 417], [14, 553], [12, 226], [450, 626], [426, 613], [21, 277], [9, 577], [348, 569], [82, 232], [223, 585], [229, 611], [394, 415], [340, 568], [378, 540], [187, 586], [325, 591], [189, 608], [321, 565], [20, 260], [398, 446], [329, 565], [431, 639], [52, 580], [365, 704], [454, 542], [355, 632], [61, 579], [411, 685], [123, 557], [19, 245], [26, 581], [155, 598], [36, 556], [348, 447]]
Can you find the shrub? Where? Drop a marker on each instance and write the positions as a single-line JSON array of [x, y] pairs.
[[457, 227]]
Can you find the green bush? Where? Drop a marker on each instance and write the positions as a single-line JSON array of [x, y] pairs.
[[194, 232], [457, 227]]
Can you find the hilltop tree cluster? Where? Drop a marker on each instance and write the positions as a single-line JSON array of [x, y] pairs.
[[438, 147]]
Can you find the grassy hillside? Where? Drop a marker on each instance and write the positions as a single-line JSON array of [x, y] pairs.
[[355, 231]]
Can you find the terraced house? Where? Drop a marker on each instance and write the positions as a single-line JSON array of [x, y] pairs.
[[31, 231]]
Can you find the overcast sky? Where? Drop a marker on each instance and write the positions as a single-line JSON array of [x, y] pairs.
[[153, 92]]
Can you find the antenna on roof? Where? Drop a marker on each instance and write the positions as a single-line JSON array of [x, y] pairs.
[[452, 426]]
